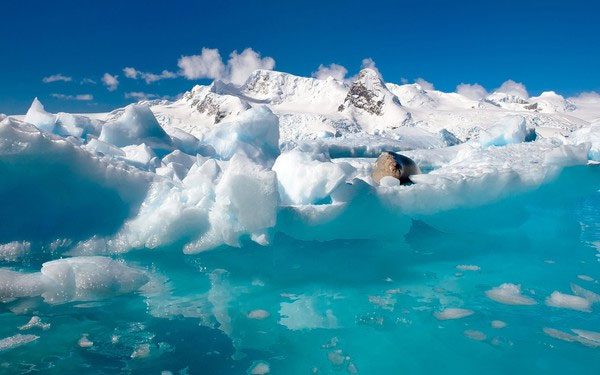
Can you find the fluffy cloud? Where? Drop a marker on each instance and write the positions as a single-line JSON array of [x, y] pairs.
[[148, 77], [589, 97], [209, 64], [88, 81], [139, 95], [475, 91], [369, 63], [111, 82], [80, 97], [56, 78], [513, 88], [333, 70], [240, 66], [424, 84]]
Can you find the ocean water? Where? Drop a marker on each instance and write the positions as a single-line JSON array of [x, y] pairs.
[[339, 307]]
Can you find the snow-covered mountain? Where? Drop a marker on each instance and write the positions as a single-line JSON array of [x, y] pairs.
[[371, 105], [344, 116]]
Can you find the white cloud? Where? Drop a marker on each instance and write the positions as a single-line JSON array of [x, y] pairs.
[[88, 81], [110, 81], [148, 77], [206, 65], [589, 97], [209, 64], [80, 97], [333, 70], [139, 95], [56, 78], [513, 88], [240, 66], [369, 63], [132, 73], [424, 84], [475, 91]]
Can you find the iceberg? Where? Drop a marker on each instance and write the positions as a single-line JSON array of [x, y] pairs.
[[240, 228]]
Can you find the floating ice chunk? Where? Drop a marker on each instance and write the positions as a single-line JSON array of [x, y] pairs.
[[509, 294], [568, 301], [588, 335], [16, 341], [10, 252], [258, 314], [84, 342], [88, 278], [99, 147], [302, 314], [259, 368], [140, 155], [189, 144], [255, 133], [136, 125], [498, 324], [141, 351], [15, 285], [35, 322], [508, 130], [181, 158], [351, 368], [453, 313], [584, 293], [307, 177], [245, 203], [558, 334], [60, 207], [585, 278], [468, 267], [64, 124], [72, 279], [37, 115], [590, 135], [475, 335], [587, 338], [568, 155]]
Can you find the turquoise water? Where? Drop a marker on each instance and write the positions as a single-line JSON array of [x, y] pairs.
[[344, 306]]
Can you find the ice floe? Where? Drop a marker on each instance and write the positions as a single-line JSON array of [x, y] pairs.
[[509, 294], [568, 301], [453, 313]]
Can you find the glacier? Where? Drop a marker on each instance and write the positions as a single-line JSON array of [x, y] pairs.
[[239, 229]]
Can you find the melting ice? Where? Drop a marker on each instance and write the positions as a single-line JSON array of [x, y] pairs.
[[240, 230]]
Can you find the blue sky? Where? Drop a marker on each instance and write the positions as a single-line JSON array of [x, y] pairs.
[[544, 44]]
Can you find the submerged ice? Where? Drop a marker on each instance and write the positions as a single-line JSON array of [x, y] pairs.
[[241, 229]]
